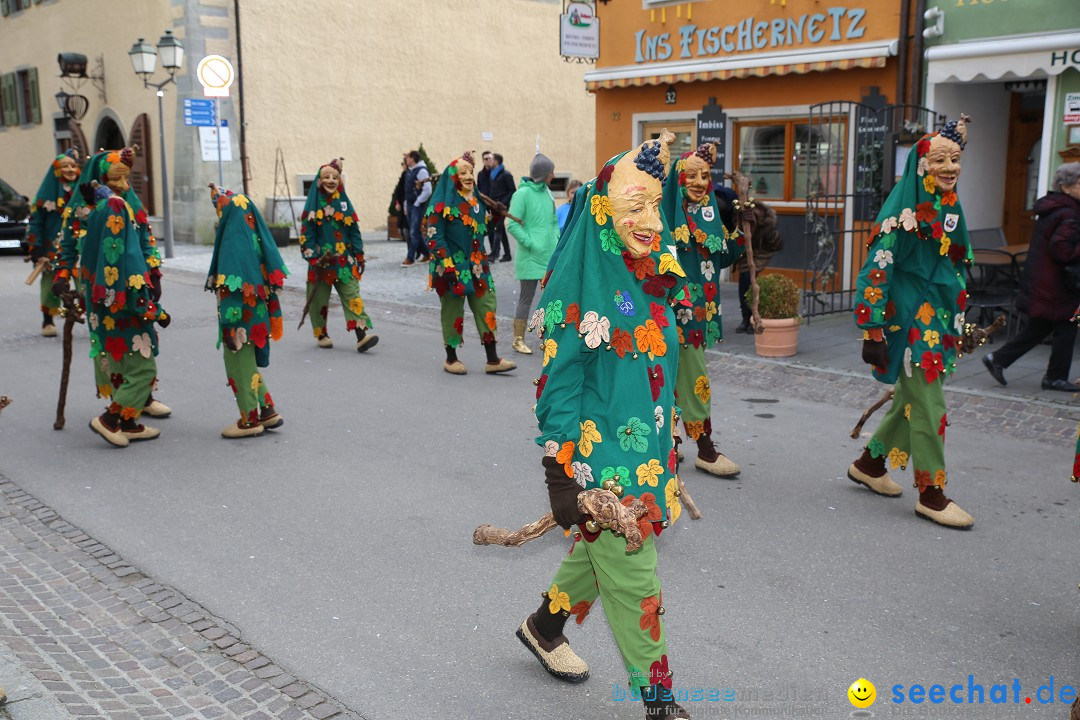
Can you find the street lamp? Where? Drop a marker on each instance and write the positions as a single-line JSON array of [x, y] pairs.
[[144, 60]]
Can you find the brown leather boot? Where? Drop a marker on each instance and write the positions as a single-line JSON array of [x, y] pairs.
[[870, 471], [659, 703]]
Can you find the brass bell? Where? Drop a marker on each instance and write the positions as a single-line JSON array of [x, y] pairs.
[[544, 594], [609, 485], [660, 610], [617, 490], [592, 527]]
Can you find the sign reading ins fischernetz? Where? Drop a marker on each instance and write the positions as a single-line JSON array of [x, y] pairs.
[[835, 24], [579, 31]]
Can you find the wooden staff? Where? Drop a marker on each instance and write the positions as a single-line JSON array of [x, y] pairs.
[[604, 508], [321, 262], [495, 205], [4, 402], [691, 506], [889, 394], [73, 312], [39, 267], [741, 184]]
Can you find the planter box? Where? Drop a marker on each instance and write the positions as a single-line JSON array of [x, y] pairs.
[[393, 232], [281, 235], [780, 339]]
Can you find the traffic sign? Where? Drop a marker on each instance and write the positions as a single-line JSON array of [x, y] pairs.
[[198, 104], [216, 75]]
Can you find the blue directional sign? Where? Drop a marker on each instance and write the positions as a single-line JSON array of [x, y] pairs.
[[199, 112]]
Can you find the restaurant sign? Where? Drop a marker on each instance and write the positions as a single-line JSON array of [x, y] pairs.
[[579, 31], [835, 24]]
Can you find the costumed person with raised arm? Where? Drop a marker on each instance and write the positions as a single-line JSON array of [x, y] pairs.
[[100, 246], [707, 240], [330, 241], [455, 224], [42, 241], [531, 220], [607, 416], [909, 302], [246, 274]]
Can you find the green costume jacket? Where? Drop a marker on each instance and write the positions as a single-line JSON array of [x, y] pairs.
[[606, 396], [46, 212], [705, 246], [538, 233], [455, 223], [246, 273], [330, 238], [911, 291]]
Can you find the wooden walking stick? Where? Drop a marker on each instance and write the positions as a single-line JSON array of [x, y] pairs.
[[321, 262], [606, 512], [745, 203], [39, 267], [498, 207], [73, 312], [4, 402]]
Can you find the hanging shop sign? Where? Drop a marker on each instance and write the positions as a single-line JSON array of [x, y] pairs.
[[579, 31]]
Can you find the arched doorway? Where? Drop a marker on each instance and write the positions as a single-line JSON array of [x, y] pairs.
[[108, 136]]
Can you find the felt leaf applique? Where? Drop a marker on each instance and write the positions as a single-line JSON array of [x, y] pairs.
[[650, 339], [589, 435], [668, 264], [622, 342], [595, 328]]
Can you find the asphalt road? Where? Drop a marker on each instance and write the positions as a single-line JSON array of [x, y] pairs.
[[341, 544]]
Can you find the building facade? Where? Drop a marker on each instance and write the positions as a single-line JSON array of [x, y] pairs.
[[363, 81]]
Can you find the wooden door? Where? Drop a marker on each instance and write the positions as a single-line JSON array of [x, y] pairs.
[[1022, 166], [77, 140], [142, 177]]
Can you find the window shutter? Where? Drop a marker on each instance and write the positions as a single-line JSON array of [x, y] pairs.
[[34, 111], [8, 100]]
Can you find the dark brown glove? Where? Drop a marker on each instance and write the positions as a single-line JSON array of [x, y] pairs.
[[562, 493], [155, 285], [874, 352]]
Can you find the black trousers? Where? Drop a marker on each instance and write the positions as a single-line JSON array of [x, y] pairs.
[[744, 287], [1032, 334], [497, 236]]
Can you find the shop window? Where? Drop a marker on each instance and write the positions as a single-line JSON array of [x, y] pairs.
[[779, 156], [684, 132]]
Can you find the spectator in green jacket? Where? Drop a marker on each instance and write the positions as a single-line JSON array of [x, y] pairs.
[[531, 220]]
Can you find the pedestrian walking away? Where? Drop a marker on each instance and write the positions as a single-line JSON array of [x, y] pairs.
[[531, 220], [42, 235], [331, 243], [607, 417], [501, 190], [417, 194], [100, 247], [455, 224], [707, 240], [246, 274], [910, 298], [1049, 285]]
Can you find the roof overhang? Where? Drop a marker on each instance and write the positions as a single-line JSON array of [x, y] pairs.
[[1006, 58]]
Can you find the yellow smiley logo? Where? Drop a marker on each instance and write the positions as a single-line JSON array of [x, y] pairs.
[[862, 693]]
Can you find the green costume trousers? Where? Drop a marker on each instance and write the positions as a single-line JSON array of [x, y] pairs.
[[351, 303], [247, 383], [692, 390], [914, 429], [453, 316], [630, 591], [49, 302], [127, 382]]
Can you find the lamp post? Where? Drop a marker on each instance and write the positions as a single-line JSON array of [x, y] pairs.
[[143, 60]]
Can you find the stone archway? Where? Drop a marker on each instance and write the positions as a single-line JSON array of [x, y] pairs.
[[109, 135]]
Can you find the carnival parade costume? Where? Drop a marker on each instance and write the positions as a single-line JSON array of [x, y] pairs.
[[330, 241], [455, 224], [909, 301], [607, 415], [706, 242], [246, 273], [101, 247], [42, 241]]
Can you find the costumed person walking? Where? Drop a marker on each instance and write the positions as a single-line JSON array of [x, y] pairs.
[[607, 416], [531, 220], [454, 225], [330, 242], [42, 241], [101, 247], [707, 241], [1044, 294], [246, 273], [910, 298]]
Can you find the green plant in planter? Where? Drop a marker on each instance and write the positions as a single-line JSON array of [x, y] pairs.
[[280, 225], [779, 297]]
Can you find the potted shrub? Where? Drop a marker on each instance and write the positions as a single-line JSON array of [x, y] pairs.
[[779, 299], [281, 232]]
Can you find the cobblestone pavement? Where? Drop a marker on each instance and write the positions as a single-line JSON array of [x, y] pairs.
[[105, 641]]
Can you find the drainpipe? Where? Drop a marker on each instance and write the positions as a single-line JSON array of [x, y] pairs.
[[917, 55], [902, 53], [240, 98]]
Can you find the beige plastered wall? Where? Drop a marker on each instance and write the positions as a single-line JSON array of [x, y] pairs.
[[371, 80], [35, 36]]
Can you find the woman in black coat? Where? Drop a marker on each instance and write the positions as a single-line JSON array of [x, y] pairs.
[[1045, 295]]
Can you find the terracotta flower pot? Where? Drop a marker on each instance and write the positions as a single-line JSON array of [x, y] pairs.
[[780, 339]]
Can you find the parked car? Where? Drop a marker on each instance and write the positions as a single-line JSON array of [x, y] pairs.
[[14, 217]]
